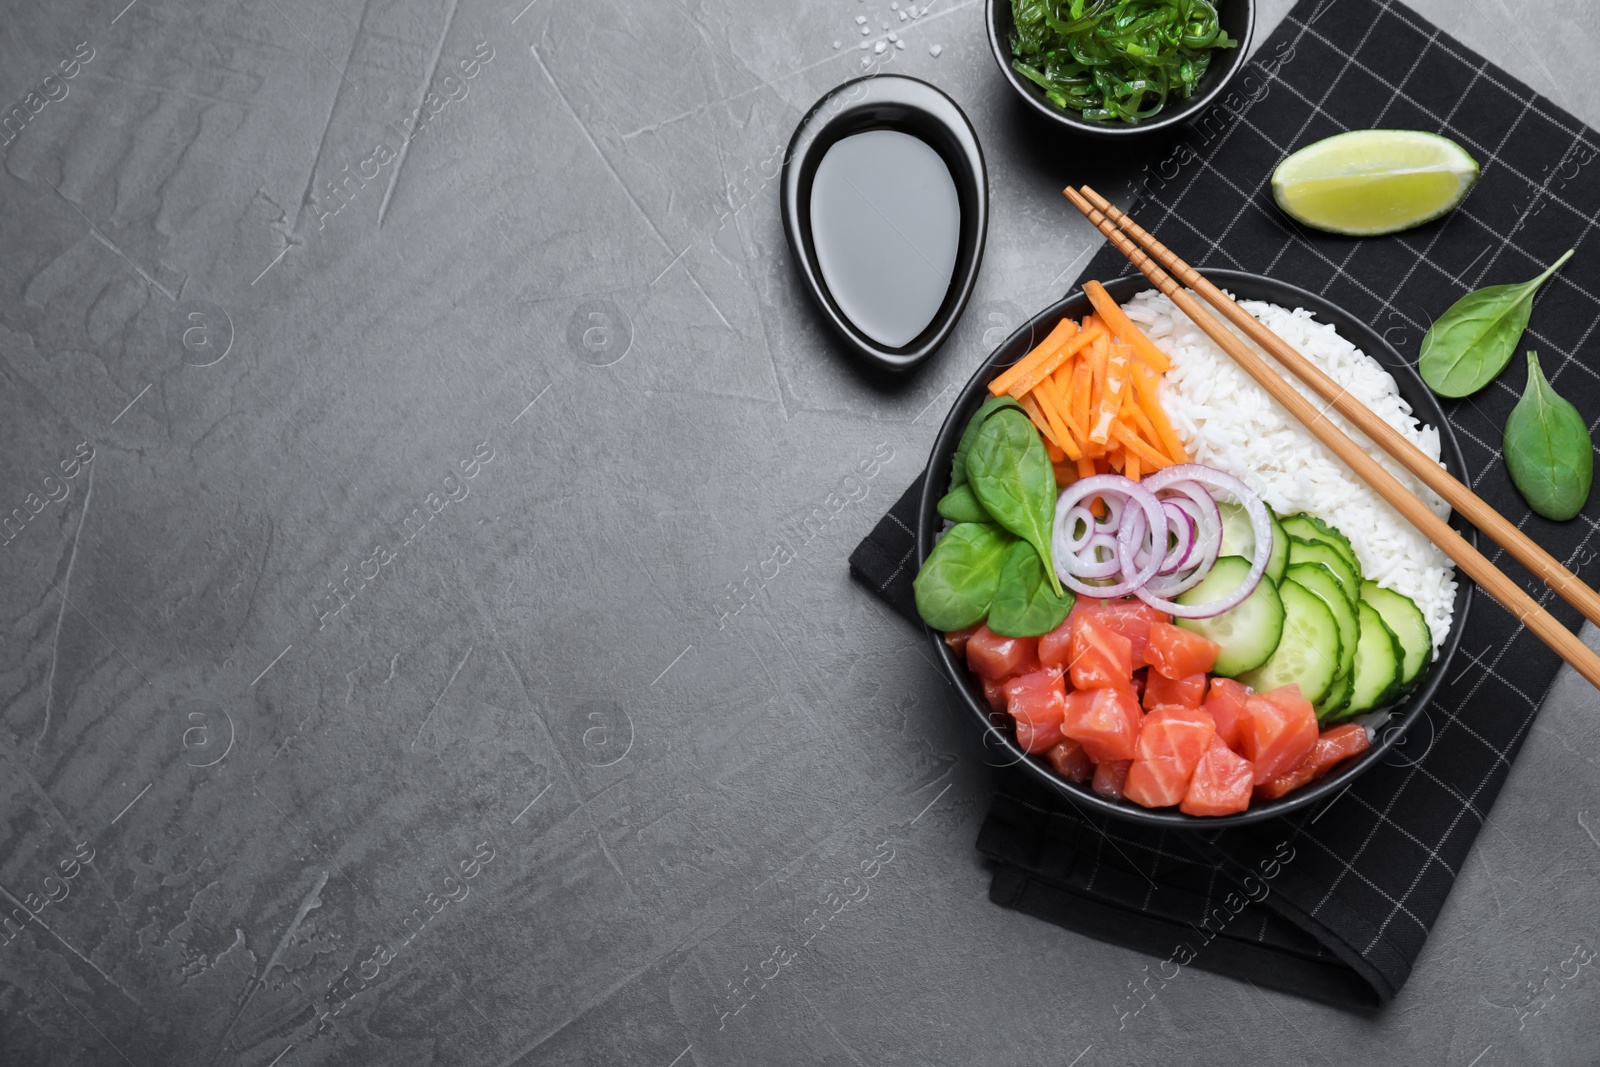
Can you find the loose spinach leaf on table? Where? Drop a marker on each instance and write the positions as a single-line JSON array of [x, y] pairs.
[[1473, 341], [1547, 449], [958, 465], [1024, 604], [957, 581], [961, 505], [1012, 478]]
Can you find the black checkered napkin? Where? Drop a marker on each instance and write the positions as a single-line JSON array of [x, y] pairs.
[[1356, 885]]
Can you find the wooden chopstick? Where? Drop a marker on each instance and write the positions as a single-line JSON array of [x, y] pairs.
[[1499, 529], [1509, 594]]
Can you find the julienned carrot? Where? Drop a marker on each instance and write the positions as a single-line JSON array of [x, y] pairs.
[[1048, 403], [1134, 416], [1040, 423], [1118, 359], [1085, 467], [1043, 369], [1060, 390], [1146, 383], [1119, 323], [1130, 463], [1135, 447], [1099, 357], [1064, 331], [1080, 392]]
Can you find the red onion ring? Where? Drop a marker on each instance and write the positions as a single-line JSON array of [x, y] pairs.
[[1172, 478], [1115, 491], [1072, 544]]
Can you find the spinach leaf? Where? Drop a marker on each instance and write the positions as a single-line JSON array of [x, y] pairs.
[[1473, 341], [1012, 478], [958, 465], [1024, 604], [958, 579], [1547, 449], [960, 505]]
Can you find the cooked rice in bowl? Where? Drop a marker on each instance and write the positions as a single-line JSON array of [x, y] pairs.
[[1229, 422]]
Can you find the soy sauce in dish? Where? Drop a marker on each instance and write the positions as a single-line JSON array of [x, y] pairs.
[[886, 225]]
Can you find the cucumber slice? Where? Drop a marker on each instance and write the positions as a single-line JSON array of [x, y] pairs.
[[1278, 562], [1239, 538], [1378, 659], [1248, 633], [1303, 551], [1308, 654], [1311, 528], [1405, 619], [1319, 580], [1331, 707]]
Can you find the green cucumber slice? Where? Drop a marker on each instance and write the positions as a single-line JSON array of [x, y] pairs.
[[1308, 653], [1378, 659], [1248, 633], [1401, 614], [1311, 528], [1331, 707], [1239, 538], [1317, 579], [1303, 551]]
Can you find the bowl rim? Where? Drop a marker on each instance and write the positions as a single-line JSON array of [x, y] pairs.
[[1403, 716], [1189, 109]]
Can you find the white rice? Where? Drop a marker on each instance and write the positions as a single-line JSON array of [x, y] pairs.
[[1229, 422]]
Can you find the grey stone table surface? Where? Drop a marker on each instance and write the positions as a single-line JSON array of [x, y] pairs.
[[371, 691]]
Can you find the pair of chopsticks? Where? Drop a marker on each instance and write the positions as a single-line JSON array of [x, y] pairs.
[[1171, 275]]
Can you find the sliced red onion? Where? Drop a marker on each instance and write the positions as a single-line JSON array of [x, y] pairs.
[[1260, 521], [1186, 529], [1090, 564], [1073, 543], [1115, 491]]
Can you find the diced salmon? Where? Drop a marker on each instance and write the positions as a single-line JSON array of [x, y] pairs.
[[994, 693], [1037, 701], [1225, 703], [1221, 783], [1178, 653], [1071, 761], [1110, 776], [957, 639], [1131, 618], [1099, 657], [1185, 692], [1339, 744], [996, 658], [1104, 721], [1279, 730], [1332, 748], [1171, 742], [1055, 647]]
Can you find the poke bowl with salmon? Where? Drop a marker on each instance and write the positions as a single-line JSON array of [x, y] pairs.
[[1157, 590]]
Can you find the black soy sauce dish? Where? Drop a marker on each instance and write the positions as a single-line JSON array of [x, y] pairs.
[[886, 207], [998, 735]]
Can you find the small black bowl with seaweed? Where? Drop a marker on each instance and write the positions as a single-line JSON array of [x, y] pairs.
[[1114, 68]]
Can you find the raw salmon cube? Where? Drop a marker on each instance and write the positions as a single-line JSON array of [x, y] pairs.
[[1184, 692], [1221, 783], [1171, 742], [1037, 701], [1099, 657], [1104, 721], [1178, 653], [1280, 729], [957, 640], [1071, 761], [1225, 703], [996, 658], [1110, 776]]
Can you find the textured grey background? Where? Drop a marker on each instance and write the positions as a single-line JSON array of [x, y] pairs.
[[712, 838]]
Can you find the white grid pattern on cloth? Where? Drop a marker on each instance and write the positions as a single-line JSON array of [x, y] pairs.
[[1541, 194]]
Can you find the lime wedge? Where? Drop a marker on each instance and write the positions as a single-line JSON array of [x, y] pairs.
[[1368, 182]]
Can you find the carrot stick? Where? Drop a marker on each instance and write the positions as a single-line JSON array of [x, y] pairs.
[[1039, 371], [1059, 397], [1134, 416], [1057, 337], [1065, 473], [1055, 454], [1145, 383], [1040, 423], [1136, 447], [1044, 396], [1130, 463], [1118, 361], [1123, 327], [1080, 392], [1085, 467]]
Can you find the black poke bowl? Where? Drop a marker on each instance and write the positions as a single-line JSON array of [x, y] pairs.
[[999, 736]]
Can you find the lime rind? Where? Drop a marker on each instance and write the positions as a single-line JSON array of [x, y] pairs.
[[1369, 182]]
